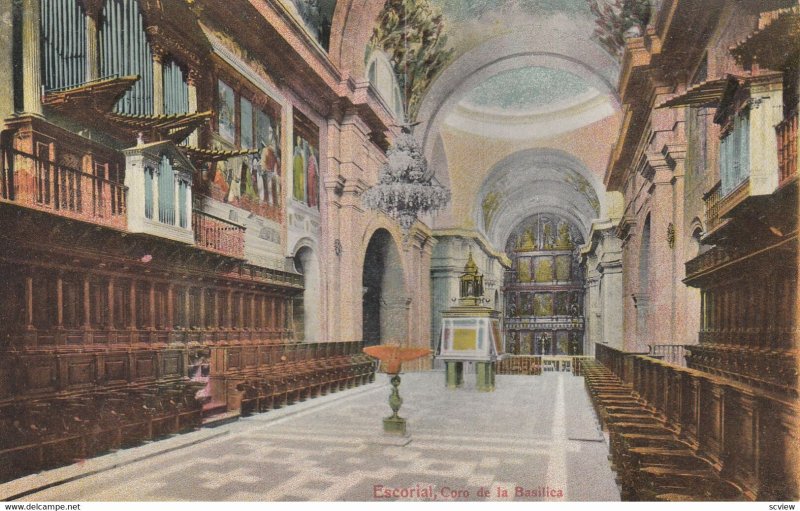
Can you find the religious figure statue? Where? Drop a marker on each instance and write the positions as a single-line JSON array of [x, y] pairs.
[[564, 238], [512, 310], [528, 240], [544, 344], [574, 345], [524, 269], [299, 172], [547, 237]]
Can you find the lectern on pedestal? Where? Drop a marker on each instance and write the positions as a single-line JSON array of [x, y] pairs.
[[470, 333]]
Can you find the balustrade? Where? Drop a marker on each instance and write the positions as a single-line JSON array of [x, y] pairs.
[[218, 235], [44, 185], [674, 354], [787, 147], [712, 207]]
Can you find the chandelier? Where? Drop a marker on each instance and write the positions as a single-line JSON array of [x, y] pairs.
[[404, 190]]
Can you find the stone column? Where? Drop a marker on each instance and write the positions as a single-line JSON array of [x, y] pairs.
[[191, 82], [6, 60], [484, 376], [349, 221], [661, 310], [92, 50], [454, 374], [684, 330], [612, 303], [31, 57], [158, 81]]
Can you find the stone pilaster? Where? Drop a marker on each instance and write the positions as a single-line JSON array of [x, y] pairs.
[[31, 58], [661, 255], [6, 59]]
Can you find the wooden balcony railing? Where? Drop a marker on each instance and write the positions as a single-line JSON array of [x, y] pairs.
[[674, 354], [787, 147], [733, 198], [742, 430], [47, 186], [712, 207], [218, 235]]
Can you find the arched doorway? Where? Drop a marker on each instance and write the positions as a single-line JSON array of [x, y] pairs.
[[384, 301], [307, 307]]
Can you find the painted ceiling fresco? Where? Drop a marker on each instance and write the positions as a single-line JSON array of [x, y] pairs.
[[463, 10], [471, 22], [526, 89]]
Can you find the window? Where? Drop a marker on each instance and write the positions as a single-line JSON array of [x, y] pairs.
[[382, 77]]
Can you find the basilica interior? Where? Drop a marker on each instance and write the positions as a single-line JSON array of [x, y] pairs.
[[580, 216]]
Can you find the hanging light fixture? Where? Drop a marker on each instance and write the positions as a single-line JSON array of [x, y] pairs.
[[405, 189]]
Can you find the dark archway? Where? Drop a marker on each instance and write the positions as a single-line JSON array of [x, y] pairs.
[[307, 306], [384, 301]]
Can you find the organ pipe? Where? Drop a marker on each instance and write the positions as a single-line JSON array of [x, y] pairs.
[[63, 33], [126, 51]]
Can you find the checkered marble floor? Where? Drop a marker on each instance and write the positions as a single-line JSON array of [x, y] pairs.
[[534, 438]]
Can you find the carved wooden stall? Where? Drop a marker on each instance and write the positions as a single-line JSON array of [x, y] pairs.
[[129, 309], [748, 436]]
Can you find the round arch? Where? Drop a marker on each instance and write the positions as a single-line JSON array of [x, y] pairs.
[[384, 297], [538, 181], [565, 51], [351, 29], [308, 306]]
